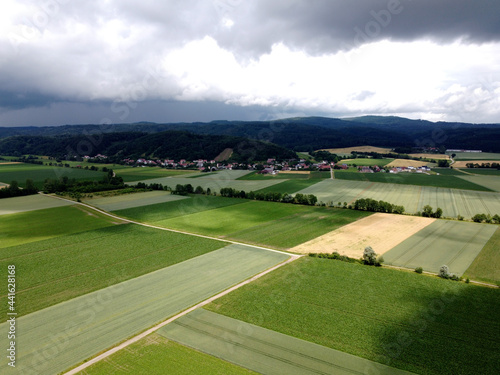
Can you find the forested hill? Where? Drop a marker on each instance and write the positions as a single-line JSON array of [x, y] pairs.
[[170, 144], [311, 133]]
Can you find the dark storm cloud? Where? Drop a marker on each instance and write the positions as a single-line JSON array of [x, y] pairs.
[[325, 26]]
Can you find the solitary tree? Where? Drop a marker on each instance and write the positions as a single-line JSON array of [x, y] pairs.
[[444, 272], [369, 256]]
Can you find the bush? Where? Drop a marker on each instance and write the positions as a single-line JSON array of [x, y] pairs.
[[419, 270], [467, 280], [444, 272], [369, 256]]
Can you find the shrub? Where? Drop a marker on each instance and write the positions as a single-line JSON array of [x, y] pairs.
[[369, 256], [419, 270], [460, 217], [444, 272], [467, 280]]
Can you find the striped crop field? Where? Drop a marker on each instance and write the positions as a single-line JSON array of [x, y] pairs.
[[56, 338], [491, 182], [452, 243], [121, 202], [263, 350], [453, 202], [416, 323], [30, 203], [155, 354], [486, 266]]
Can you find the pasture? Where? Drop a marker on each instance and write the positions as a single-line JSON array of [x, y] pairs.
[[267, 223], [453, 243], [418, 179], [49, 223], [453, 202], [121, 202], [30, 203], [380, 231], [86, 325], [486, 266], [263, 350], [39, 173], [155, 353], [412, 322], [60, 268]]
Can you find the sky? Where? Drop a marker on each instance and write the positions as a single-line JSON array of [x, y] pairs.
[[122, 61]]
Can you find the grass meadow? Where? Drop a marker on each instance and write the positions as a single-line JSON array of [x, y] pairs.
[[155, 354], [475, 155], [39, 173], [413, 322], [486, 267], [57, 269]]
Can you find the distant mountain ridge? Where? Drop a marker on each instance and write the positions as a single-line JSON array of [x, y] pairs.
[[308, 133]]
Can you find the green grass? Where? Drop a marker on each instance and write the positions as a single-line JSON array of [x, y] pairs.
[[278, 225], [263, 350], [366, 162], [130, 174], [279, 176], [57, 269], [39, 173], [448, 171], [30, 203], [289, 186], [486, 267], [489, 181], [25, 227], [122, 202], [453, 243], [413, 322], [443, 181], [91, 323], [155, 354]]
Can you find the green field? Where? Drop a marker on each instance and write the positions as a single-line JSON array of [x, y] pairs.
[[453, 243], [409, 321], [25, 227], [30, 203], [155, 354], [280, 176], [267, 223], [366, 162], [475, 155], [130, 174], [121, 202], [490, 182], [453, 202], [419, 179], [263, 350], [39, 173], [289, 186], [449, 171], [57, 269], [486, 266], [482, 171], [86, 325]]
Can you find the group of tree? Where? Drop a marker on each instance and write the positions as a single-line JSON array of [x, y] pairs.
[[372, 205], [427, 212], [443, 163], [486, 218], [369, 257], [483, 165], [326, 156], [65, 184], [270, 196], [13, 190]]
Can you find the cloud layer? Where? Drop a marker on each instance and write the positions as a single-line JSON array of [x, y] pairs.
[[425, 59]]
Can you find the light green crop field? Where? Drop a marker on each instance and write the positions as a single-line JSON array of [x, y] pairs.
[[452, 243], [280, 176], [490, 182], [30, 203], [482, 171], [453, 202], [162, 211], [413, 322], [39, 173], [25, 227], [57, 269], [257, 222], [155, 354], [121, 202], [263, 350], [366, 162], [449, 171], [61, 336], [289, 186], [419, 179], [486, 266], [475, 155], [130, 174]]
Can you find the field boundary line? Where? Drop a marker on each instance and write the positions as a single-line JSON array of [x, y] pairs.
[[175, 317], [162, 228]]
